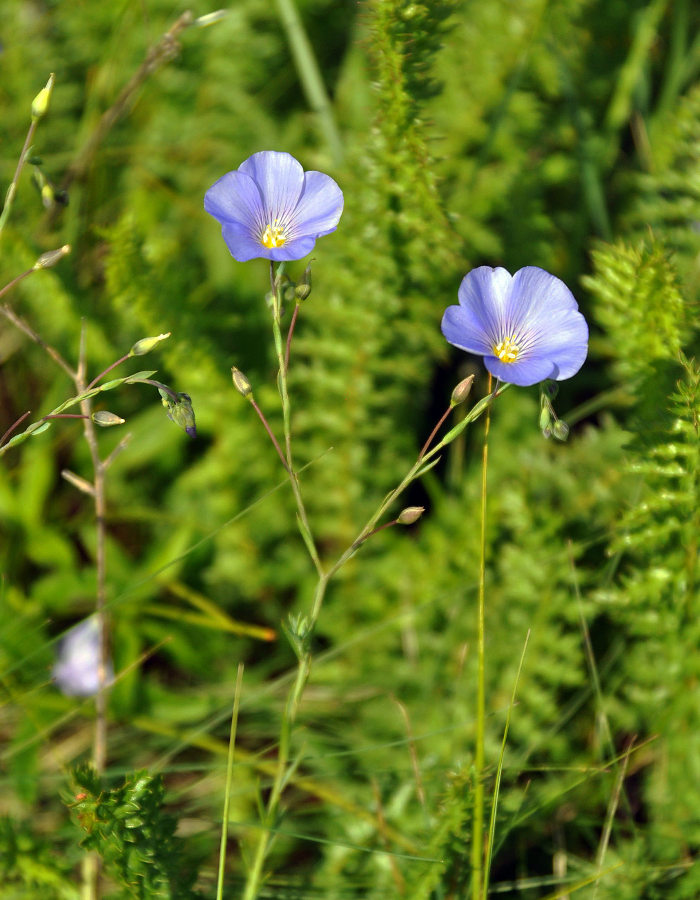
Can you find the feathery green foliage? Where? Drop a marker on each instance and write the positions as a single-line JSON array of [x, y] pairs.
[[474, 133], [29, 867], [128, 827]]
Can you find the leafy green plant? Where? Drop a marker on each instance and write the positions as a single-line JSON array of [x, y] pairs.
[[134, 836]]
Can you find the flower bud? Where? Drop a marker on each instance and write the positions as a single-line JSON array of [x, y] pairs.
[[41, 102], [240, 382], [462, 391], [51, 257], [179, 408], [209, 18], [105, 419], [410, 515], [303, 287], [560, 430], [145, 345], [47, 196]]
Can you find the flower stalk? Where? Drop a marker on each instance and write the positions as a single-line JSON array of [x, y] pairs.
[[304, 632], [477, 849]]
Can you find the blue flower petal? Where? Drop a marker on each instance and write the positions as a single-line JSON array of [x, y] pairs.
[[235, 197], [463, 327], [269, 208], [76, 671], [280, 179], [533, 313], [484, 291], [522, 372], [320, 206], [240, 243]]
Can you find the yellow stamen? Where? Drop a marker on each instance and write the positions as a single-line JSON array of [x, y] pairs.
[[273, 235], [506, 350]]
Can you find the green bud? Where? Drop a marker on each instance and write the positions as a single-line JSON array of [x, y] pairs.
[[298, 632], [560, 430], [51, 257], [179, 408], [41, 102], [47, 196], [105, 419], [145, 345], [410, 515], [462, 391], [240, 382], [545, 418], [210, 18], [303, 288]]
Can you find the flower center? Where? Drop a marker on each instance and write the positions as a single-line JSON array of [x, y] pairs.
[[506, 350], [273, 235]]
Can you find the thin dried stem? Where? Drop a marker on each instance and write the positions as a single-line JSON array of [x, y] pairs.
[[435, 430], [14, 427], [25, 327], [108, 369], [165, 50]]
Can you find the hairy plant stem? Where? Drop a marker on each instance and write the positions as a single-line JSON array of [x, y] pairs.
[[477, 850]]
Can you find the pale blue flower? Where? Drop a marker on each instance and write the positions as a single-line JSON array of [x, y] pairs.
[[76, 669], [526, 326], [270, 208]]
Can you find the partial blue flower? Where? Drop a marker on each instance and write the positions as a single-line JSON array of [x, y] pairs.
[[76, 669], [270, 208], [526, 326]]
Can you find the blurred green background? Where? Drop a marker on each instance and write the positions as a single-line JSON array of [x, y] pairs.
[[563, 135]]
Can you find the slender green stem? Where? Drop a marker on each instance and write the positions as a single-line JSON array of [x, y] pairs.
[[229, 782], [435, 430], [499, 773], [12, 189], [423, 462], [269, 431], [91, 869], [14, 427], [108, 369], [310, 76], [477, 849], [289, 337], [304, 663], [286, 418]]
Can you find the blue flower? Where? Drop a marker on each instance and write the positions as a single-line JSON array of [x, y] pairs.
[[76, 670], [269, 207], [526, 326]]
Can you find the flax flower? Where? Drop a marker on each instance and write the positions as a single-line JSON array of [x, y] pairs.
[[76, 669], [526, 326], [271, 208]]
